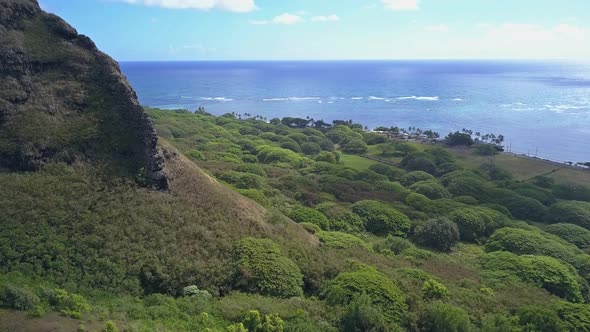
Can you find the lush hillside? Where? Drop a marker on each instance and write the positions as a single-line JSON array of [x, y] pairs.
[[258, 225]]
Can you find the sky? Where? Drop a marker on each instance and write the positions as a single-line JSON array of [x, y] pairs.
[[184, 30]]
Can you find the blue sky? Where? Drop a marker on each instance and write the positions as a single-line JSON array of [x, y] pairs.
[[332, 29]]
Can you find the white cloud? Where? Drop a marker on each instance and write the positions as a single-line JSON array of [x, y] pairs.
[[329, 18], [238, 6], [401, 4], [517, 41], [562, 40], [285, 18], [437, 28]]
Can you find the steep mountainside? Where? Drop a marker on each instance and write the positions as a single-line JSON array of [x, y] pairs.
[[61, 99]]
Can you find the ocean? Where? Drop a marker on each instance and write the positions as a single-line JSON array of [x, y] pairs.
[[542, 108]]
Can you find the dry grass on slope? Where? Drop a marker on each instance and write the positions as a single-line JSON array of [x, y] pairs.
[[192, 184]]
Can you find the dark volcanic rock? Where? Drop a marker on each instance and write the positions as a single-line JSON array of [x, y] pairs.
[[62, 100]]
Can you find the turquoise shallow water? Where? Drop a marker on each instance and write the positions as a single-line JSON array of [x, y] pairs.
[[541, 108]]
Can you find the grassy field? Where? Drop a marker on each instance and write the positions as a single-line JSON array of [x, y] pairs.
[[522, 167], [356, 162], [525, 168]]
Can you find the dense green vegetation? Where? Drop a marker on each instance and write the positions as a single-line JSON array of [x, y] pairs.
[[420, 243]]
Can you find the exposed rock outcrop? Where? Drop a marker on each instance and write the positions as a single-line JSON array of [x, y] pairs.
[[63, 100]]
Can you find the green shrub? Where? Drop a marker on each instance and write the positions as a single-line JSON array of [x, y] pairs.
[[373, 138], [405, 148], [298, 137], [417, 253], [309, 215], [261, 268], [247, 145], [432, 290], [311, 228], [572, 212], [535, 318], [382, 292], [421, 164], [549, 273], [196, 154], [446, 168], [574, 316], [310, 149], [430, 189], [395, 189], [247, 130], [477, 222], [497, 207], [440, 155], [342, 135], [248, 158], [414, 275], [371, 177], [441, 234], [271, 154], [255, 195], [312, 132], [393, 244], [17, 298], [525, 208], [572, 192], [194, 292], [432, 208], [111, 327], [320, 167], [72, 305], [362, 315], [393, 173], [269, 136], [328, 157], [253, 322], [304, 323], [252, 169], [466, 183], [417, 176], [355, 146], [419, 202], [487, 291], [444, 317], [500, 322], [339, 240], [415, 155], [571, 233], [324, 143], [341, 218], [526, 189], [535, 242], [291, 145], [242, 180], [381, 219], [468, 200]]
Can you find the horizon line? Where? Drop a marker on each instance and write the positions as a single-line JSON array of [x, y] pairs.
[[371, 60]]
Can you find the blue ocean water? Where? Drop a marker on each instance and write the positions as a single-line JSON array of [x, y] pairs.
[[542, 108]]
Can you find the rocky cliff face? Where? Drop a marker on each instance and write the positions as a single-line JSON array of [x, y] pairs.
[[62, 100]]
